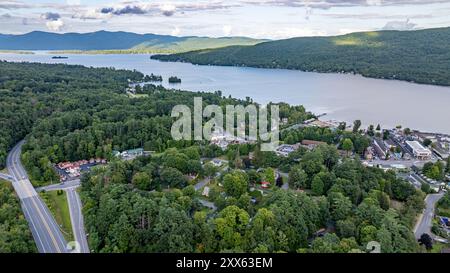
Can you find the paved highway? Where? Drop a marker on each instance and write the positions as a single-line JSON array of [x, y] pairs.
[[75, 209], [425, 222], [45, 230], [76, 217]]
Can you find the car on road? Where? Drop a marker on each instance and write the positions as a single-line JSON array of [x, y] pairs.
[[24, 177]]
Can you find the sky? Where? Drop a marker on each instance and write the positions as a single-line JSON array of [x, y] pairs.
[[271, 19]]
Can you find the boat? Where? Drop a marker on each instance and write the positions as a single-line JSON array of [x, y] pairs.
[[60, 57]]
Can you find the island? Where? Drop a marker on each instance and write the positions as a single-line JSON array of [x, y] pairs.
[[60, 57], [174, 79]]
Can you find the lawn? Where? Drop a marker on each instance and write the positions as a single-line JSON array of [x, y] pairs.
[[58, 205], [443, 212], [437, 247]]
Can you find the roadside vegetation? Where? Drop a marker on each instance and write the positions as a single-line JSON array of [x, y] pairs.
[[58, 206], [15, 236]]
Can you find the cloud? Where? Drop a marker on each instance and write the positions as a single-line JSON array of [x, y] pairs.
[[123, 10], [168, 9], [52, 16], [400, 25], [154, 8], [55, 25], [73, 2], [176, 31], [326, 4], [227, 29], [6, 15]]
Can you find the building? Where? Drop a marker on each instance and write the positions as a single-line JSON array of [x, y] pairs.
[[418, 150], [217, 162], [311, 144], [285, 149], [381, 149], [369, 153], [129, 154]]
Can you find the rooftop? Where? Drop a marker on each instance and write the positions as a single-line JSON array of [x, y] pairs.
[[415, 145]]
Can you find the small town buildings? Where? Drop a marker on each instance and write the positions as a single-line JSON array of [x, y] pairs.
[[381, 149], [129, 154], [418, 150], [311, 144], [286, 149]]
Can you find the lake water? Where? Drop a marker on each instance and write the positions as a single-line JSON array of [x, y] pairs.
[[343, 97]]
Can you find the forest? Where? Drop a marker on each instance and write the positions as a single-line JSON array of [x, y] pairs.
[[417, 56], [149, 204], [15, 236]]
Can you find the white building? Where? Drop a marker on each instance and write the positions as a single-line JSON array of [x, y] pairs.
[[418, 150]]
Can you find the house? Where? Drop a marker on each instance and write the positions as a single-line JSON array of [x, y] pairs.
[[285, 149], [217, 162], [311, 144], [205, 191], [265, 185], [381, 149]]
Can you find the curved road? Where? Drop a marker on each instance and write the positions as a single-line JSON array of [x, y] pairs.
[[45, 230], [426, 219], [75, 209]]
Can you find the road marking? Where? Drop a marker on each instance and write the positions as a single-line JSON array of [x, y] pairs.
[[36, 207], [34, 226]]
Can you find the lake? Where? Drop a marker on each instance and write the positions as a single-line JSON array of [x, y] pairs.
[[343, 97]]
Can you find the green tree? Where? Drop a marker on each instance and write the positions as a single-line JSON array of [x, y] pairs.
[[347, 145], [356, 125], [235, 183], [298, 178], [142, 181], [173, 177], [269, 175], [317, 185], [231, 226]]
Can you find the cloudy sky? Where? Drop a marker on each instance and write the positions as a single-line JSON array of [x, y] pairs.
[[272, 19]]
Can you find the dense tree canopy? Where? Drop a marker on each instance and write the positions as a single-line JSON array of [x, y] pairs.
[[398, 55]]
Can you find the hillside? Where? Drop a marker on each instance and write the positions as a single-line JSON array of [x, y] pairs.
[[117, 41], [421, 56]]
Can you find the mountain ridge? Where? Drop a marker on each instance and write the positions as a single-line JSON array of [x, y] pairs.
[[117, 40], [421, 56]]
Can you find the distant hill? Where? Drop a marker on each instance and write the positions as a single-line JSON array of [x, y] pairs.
[[421, 56], [119, 41]]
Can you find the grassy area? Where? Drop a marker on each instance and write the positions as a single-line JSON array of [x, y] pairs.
[[443, 212], [437, 247], [58, 205], [3, 171]]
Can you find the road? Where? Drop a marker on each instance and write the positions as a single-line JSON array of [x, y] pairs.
[[208, 204], [45, 230], [202, 183], [76, 217], [61, 186], [6, 177], [75, 209], [425, 222]]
